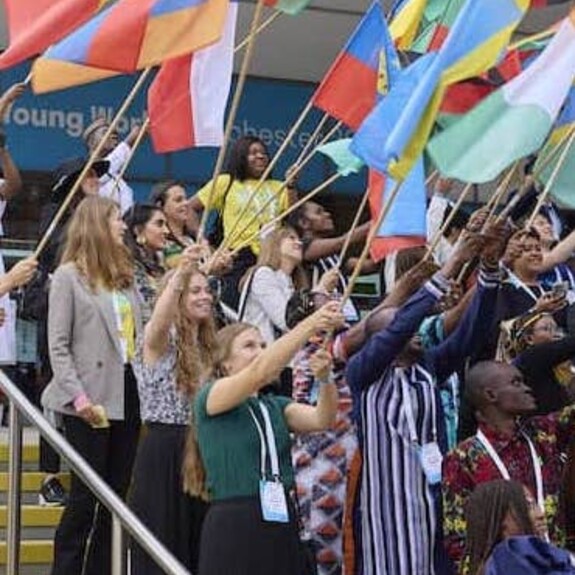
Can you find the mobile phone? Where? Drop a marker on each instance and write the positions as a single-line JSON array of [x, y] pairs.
[[560, 289]]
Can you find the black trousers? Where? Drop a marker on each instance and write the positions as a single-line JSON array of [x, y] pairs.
[[83, 538]]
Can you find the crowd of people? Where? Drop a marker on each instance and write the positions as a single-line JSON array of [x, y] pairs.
[[256, 424]]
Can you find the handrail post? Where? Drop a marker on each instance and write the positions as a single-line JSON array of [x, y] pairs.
[[117, 547], [14, 491]]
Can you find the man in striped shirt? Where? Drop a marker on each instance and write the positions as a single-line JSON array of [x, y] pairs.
[[401, 429]]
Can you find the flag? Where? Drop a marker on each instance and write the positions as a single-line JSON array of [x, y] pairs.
[[514, 120], [438, 18], [405, 21], [564, 183], [349, 90], [291, 7], [394, 134], [131, 35], [546, 3], [405, 225], [34, 25], [187, 100], [338, 152]]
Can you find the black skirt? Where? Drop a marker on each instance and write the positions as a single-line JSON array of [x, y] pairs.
[[236, 541], [158, 499]]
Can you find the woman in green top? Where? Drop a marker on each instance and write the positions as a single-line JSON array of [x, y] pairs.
[[244, 459]]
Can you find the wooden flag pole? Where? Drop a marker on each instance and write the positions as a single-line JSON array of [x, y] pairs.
[[539, 167], [431, 177], [290, 210], [259, 29], [354, 225], [310, 142], [233, 233], [232, 114], [372, 233], [93, 157], [554, 174], [139, 139], [437, 237], [501, 189]]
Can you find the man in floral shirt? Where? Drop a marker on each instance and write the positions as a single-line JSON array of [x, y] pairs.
[[530, 451]]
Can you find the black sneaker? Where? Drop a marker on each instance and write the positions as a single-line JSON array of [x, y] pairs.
[[52, 493]]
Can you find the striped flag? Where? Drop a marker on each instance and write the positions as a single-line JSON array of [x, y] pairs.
[[187, 100]]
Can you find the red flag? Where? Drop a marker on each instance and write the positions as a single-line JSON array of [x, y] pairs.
[[34, 25]]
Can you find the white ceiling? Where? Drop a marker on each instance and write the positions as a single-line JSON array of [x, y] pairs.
[[303, 47]]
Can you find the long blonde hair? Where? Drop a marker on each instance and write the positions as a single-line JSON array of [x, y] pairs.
[[195, 341], [270, 256], [91, 247], [193, 470]]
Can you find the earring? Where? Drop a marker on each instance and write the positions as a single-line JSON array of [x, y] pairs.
[[141, 241]]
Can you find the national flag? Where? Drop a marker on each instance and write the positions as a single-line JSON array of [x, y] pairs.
[[515, 120], [34, 25], [405, 225], [562, 188], [438, 18], [131, 35], [393, 136], [405, 22], [187, 100], [338, 152], [349, 90], [291, 7]]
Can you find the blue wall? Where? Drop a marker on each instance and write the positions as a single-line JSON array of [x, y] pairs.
[[44, 130]]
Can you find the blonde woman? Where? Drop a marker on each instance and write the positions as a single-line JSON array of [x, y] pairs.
[[245, 449], [176, 355], [93, 318]]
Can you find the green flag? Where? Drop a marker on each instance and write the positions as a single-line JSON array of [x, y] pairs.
[[338, 152]]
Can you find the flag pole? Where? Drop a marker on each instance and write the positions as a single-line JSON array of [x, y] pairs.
[[354, 225], [543, 196], [539, 167], [93, 157], [431, 177], [372, 233], [498, 194], [232, 114], [437, 237], [312, 138], [139, 139], [289, 211], [259, 29]]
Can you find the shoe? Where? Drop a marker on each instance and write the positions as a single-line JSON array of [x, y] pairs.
[[52, 493]]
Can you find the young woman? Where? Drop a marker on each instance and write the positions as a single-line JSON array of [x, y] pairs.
[[248, 161], [267, 287], [179, 342], [507, 532], [244, 442], [146, 238], [170, 197], [93, 319]]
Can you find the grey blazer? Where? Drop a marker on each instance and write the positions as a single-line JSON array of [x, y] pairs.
[[85, 349]]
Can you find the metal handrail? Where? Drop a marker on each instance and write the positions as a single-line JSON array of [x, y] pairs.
[[20, 406]]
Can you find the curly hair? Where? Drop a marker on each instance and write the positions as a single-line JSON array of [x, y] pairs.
[[237, 164]]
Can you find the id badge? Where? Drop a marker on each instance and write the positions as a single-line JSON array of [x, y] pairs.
[[273, 502], [431, 459]]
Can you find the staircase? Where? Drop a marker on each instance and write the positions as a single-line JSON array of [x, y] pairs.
[[38, 523]]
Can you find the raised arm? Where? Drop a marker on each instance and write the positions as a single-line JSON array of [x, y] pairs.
[[228, 392], [323, 247], [560, 253]]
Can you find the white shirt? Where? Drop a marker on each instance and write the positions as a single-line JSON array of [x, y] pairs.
[[119, 191], [267, 300], [8, 330]]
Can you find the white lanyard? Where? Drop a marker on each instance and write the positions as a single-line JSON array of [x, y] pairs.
[[522, 285], [267, 437], [505, 473], [409, 405]]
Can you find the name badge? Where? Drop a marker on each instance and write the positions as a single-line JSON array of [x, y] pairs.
[[431, 459], [273, 502]]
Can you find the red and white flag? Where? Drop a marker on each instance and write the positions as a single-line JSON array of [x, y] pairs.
[[187, 99]]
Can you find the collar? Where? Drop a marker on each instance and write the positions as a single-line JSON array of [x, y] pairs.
[[499, 439]]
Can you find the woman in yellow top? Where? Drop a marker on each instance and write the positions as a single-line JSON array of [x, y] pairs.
[[231, 194]]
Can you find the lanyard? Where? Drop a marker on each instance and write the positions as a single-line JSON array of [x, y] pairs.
[[521, 285], [267, 438], [505, 473], [409, 405]]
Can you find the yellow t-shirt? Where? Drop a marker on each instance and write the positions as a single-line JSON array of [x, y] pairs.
[[236, 199]]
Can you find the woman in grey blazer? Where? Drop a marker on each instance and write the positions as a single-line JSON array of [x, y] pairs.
[[93, 318]]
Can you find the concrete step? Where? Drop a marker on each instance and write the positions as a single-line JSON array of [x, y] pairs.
[[32, 480], [39, 552], [35, 516]]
